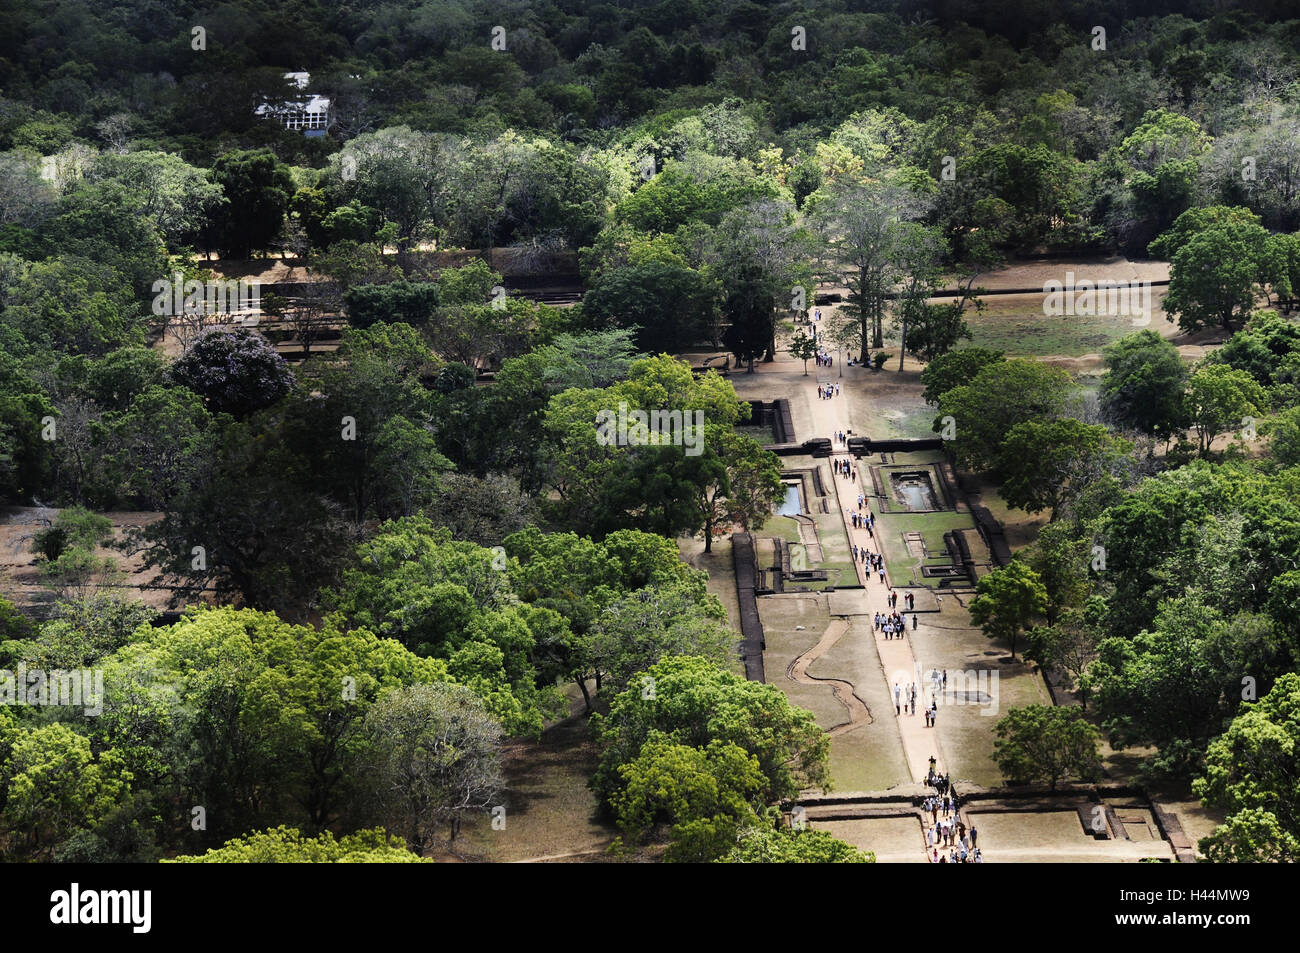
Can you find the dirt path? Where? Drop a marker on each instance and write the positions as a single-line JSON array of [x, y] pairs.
[[550, 857], [797, 671]]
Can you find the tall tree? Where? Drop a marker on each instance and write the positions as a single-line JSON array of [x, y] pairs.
[[1249, 773], [257, 187], [1001, 395], [1044, 743], [1007, 601], [763, 253], [860, 224], [691, 701], [1215, 276], [236, 371], [435, 754], [1046, 465], [947, 371], [1220, 400], [1143, 384]]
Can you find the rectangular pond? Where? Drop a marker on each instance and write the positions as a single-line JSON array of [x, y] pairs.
[[793, 502], [914, 490]]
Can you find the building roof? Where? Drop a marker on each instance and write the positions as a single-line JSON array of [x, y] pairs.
[[313, 105]]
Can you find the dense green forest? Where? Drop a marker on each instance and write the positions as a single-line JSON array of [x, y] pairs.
[[394, 553]]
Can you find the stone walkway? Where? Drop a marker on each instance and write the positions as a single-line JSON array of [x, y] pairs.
[[897, 662]]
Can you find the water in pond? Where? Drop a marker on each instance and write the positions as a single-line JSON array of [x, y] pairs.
[[914, 491], [790, 505]]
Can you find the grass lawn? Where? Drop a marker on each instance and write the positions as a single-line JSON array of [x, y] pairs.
[[835, 546], [1016, 324], [891, 528], [782, 527]]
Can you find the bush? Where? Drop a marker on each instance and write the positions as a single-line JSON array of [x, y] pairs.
[[236, 371]]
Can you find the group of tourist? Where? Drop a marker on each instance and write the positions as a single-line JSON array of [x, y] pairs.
[[892, 625], [940, 782], [873, 561], [827, 391], [950, 830], [945, 803], [938, 682], [865, 521], [845, 469], [905, 700]]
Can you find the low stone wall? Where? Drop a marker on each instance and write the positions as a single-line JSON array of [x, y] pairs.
[[817, 447], [862, 446], [994, 538], [774, 414], [752, 643]]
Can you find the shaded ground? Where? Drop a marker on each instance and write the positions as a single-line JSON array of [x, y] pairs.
[[550, 813]]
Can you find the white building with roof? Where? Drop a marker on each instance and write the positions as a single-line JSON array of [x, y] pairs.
[[310, 113]]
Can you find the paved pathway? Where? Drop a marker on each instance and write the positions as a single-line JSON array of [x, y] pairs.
[[897, 662]]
